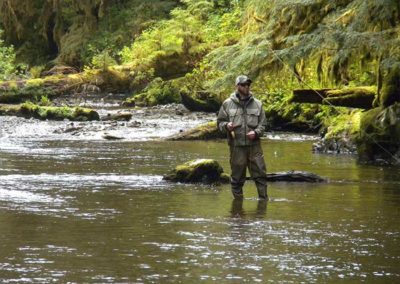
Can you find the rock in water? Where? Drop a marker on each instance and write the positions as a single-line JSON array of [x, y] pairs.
[[111, 137], [198, 171]]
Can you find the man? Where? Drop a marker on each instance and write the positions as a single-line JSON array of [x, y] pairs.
[[243, 118]]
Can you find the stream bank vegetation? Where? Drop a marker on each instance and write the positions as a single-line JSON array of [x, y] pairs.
[[170, 51]]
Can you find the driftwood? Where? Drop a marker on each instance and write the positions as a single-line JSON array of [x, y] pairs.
[[295, 176], [356, 97], [204, 131]]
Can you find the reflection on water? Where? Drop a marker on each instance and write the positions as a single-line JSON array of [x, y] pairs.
[[237, 210], [98, 211]]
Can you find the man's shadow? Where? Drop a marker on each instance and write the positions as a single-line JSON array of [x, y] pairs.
[[237, 210]]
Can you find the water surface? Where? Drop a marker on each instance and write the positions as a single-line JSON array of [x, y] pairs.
[[81, 209]]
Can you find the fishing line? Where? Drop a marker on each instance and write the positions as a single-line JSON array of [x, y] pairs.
[[329, 103]]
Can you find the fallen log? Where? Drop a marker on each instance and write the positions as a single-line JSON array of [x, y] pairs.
[[355, 97], [295, 176], [30, 110], [91, 81]]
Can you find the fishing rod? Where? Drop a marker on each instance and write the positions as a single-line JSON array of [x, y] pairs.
[[322, 97]]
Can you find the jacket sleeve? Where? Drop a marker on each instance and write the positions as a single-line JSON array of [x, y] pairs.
[[222, 119], [260, 129]]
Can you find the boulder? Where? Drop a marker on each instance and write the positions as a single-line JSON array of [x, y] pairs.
[[206, 171]]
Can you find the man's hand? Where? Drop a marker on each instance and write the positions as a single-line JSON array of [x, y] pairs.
[[230, 126], [251, 135]]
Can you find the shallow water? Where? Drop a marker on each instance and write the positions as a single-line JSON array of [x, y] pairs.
[[82, 209]]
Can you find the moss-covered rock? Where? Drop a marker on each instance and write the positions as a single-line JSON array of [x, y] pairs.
[[158, 92], [114, 80], [29, 110], [340, 135], [204, 131], [283, 115], [198, 171], [389, 92], [379, 139], [207, 102]]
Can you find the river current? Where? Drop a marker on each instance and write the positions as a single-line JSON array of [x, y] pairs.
[[76, 208]]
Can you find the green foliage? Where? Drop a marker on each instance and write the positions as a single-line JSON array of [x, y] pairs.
[[103, 60], [157, 92], [173, 47], [121, 24], [44, 101], [36, 71], [7, 60], [325, 43]]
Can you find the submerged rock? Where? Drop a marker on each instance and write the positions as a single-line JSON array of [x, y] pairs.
[[206, 171]]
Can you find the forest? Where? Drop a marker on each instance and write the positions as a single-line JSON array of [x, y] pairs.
[[199, 141], [325, 66]]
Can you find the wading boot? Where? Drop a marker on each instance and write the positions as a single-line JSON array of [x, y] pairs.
[[237, 194], [262, 192]]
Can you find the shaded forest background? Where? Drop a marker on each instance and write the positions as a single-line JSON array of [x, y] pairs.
[[166, 48]]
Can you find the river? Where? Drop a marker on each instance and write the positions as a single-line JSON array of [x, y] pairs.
[[77, 208]]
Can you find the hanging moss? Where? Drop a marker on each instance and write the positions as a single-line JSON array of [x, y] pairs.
[[390, 91]]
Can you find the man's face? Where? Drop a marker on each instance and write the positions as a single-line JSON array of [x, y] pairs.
[[243, 88]]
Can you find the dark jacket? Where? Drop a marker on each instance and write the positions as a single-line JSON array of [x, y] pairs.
[[246, 116]]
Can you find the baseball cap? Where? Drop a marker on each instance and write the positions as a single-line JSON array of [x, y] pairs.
[[243, 79]]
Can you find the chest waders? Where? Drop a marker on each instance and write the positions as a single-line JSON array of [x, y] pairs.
[[247, 156]]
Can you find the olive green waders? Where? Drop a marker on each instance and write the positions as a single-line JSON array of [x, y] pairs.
[[252, 157]]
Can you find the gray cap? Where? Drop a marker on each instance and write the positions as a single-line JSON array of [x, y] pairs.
[[242, 79]]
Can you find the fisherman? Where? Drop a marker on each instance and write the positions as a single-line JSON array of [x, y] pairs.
[[242, 117]]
